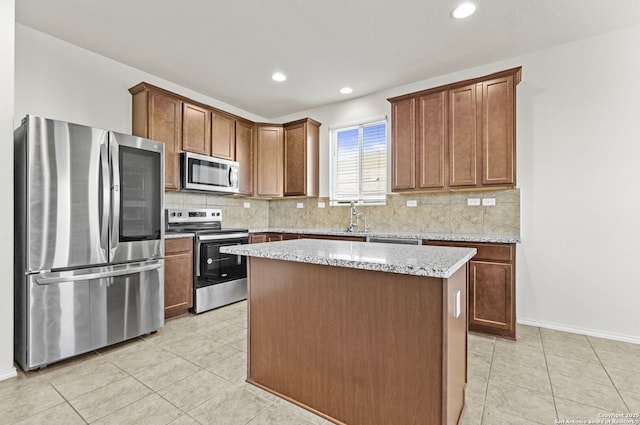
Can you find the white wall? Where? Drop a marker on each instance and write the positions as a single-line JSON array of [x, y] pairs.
[[579, 174], [7, 13], [578, 164], [59, 80], [579, 169]]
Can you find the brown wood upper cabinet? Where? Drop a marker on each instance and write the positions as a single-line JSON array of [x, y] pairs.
[[208, 132], [463, 136], [196, 129], [269, 161], [301, 158], [244, 155], [157, 115], [286, 159], [456, 136], [275, 160], [499, 130], [223, 136], [403, 148]]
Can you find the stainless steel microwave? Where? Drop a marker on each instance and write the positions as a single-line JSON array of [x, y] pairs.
[[208, 174]]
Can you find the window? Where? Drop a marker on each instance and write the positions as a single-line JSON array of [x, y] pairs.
[[359, 163]]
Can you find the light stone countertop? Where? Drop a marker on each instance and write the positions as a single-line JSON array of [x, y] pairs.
[[453, 237], [178, 235], [431, 261]]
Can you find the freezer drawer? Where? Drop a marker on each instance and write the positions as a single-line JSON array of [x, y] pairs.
[[73, 312]]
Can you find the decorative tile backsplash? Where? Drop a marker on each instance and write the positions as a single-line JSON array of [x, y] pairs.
[[234, 213], [442, 212], [434, 212]]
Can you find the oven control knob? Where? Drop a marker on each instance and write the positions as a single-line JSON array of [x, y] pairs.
[[209, 261]]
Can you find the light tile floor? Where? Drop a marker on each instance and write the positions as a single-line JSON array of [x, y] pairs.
[[192, 371]]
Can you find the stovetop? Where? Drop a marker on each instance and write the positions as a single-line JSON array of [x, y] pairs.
[[200, 221]]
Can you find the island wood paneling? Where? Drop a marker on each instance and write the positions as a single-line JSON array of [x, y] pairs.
[[357, 346]]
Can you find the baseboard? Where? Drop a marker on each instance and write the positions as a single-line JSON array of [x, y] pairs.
[[8, 374], [582, 331]]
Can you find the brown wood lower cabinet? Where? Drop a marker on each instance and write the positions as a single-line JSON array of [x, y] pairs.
[[178, 276], [341, 342], [492, 287]]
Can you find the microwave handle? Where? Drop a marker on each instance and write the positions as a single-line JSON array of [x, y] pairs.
[[233, 176]]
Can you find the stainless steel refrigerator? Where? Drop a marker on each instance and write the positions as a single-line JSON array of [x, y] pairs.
[[89, 268]]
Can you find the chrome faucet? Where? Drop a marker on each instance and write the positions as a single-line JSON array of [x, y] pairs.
[[354, 218], [366, 224]]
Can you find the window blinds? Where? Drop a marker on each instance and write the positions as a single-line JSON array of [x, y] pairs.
[[359, 163]]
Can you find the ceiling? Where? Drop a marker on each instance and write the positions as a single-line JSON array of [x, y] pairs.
[[228, 49]]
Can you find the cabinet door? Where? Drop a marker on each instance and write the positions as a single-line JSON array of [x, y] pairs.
[[257, 237], [463, 136], [165, 124], [178, 276], [269, 157], [498, 131], [273, 237], [403, 145], [295, 154], [432, 141], [244, 156], [491, 301], [223, 137], [196, 127]]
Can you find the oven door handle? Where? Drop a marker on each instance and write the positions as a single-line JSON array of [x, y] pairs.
[[197, 260], [205, 238]]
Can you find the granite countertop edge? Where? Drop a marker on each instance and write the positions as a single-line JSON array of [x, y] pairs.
[[178, 235], [439, 262], [452, 237]]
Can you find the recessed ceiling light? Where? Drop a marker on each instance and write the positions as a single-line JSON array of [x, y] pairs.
[[346, 90], [278, 76], [463, 10]]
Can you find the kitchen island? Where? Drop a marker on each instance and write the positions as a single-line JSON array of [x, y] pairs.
[[359, 333]]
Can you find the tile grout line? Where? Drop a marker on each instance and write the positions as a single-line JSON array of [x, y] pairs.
[[608, 376], [200, 368], [486, 388], [159, 395], [68, 403], [546, 363]]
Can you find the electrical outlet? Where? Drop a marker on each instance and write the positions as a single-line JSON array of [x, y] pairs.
[[247, 205], [300, 205], [488, 202], [320, 204], [473, 202], [412, 203]]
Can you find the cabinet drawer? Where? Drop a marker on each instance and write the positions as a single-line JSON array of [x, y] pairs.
[[177, 245], [486, 251], [493, 252]]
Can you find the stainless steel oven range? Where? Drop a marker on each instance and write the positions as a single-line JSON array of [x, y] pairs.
[[218, 279]]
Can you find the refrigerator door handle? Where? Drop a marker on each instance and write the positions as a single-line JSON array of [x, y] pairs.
[[115, 195], [106, 197], [97, 275]]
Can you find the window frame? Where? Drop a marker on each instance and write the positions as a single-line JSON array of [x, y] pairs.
[[333, 133]]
